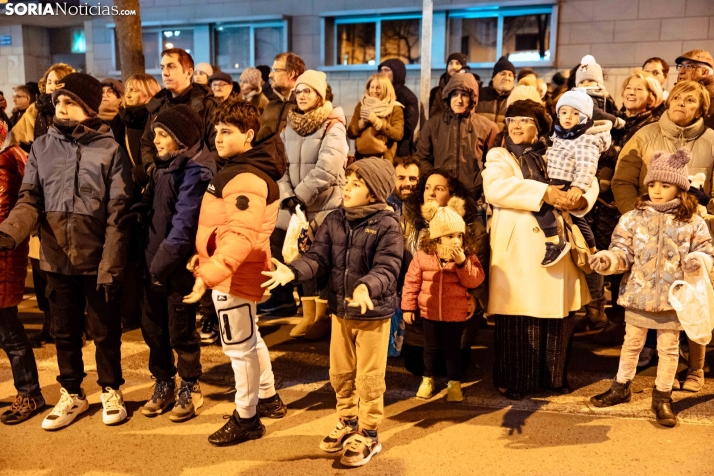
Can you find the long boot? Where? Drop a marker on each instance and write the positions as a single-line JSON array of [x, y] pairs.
[[618, 393], [323, 321], [662, 408], [595, 312], [308, 316], [695, 374]]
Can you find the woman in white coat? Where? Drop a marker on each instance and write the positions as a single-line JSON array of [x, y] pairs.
[[532, 305]]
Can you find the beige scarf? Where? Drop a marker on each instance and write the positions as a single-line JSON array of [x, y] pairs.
[[380, 107], [307, 123]]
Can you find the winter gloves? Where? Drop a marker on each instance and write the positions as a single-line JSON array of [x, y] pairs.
[[280, 277]]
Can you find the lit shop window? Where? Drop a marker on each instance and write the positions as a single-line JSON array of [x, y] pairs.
[[370, 40]]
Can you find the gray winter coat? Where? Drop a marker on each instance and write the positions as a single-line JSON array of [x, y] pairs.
[[316, 168]]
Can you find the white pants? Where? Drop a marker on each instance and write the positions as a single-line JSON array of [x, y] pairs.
[[667, 349], [243, 344]]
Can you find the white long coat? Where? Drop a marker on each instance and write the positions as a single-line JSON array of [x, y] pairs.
[[518, 285]]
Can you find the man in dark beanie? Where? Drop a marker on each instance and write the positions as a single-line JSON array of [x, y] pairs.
[[76, 190], [458, 139], [184, 168], [492, 100], [454, 63], [395, 70]]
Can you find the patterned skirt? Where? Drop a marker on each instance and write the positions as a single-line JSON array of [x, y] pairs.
[[532, 352]]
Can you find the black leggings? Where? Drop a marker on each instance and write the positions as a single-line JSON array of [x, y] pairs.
[[445, 337]]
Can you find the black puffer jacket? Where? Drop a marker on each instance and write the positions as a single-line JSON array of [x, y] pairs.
[[367, 252], [410, 102], [77, 188]]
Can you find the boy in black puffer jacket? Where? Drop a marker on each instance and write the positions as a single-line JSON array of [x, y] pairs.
[[360, 248]]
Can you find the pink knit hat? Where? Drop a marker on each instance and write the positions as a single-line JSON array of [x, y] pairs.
[[670, 168], [252, 76]]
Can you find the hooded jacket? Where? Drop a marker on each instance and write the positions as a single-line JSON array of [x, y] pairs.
[[13, 263], [458, 144], [628, 183], [178, 188], [198, 97], [410, 102], [237, 217], [368, 251], [77, 189], [493, 105], [316, 168]]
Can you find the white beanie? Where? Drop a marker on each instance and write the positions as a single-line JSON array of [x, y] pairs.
[[589, 69], [577, 99], [448, 219], [205, 67], [317, 80]]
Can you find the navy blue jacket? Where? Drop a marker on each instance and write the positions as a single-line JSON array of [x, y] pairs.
[[368, 252], [178, 188]]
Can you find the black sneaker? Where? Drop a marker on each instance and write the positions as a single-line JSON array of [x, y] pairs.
[[22, 408], [237, 430], [554, 252], [209, 331], [274, 304], [272, 407]]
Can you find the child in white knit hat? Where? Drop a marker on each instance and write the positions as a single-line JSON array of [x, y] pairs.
[[437, 283], [572, 161]]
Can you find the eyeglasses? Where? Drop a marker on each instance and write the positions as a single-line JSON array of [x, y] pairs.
[[521, 120], [305, 91], [20, 97], [691, 67], [277, 70]]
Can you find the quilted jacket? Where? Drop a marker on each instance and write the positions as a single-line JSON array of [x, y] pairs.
[[13, 264]]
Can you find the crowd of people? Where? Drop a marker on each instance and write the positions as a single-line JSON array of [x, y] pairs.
[[143, 206]]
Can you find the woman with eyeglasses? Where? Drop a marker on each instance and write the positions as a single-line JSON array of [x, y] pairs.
[[533, 306], [682, 125], [316, 148]]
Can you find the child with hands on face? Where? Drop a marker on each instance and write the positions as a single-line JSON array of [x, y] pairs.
[[439, 278], [657, 243], [360, 247]]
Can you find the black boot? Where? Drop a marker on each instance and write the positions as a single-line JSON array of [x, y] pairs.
[[272, 407], [618, 393], [237, 430], [662, 408]]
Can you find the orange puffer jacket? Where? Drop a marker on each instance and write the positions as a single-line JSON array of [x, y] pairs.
[[440, 292], [13, 264], [238, 215]]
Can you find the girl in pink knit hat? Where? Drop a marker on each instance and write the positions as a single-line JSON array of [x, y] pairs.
[[656, 243]]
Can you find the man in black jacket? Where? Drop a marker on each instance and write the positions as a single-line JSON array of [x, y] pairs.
[[454, 63], [77, 189], [395, 70], [492, 98]]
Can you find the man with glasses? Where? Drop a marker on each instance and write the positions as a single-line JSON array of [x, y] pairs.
[[22, 98], [287, 67], [694, 65]]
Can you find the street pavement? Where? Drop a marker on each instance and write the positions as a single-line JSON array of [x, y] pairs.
[[547, 434]]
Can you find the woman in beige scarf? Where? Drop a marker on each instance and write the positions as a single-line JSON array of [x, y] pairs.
[[378, 121]]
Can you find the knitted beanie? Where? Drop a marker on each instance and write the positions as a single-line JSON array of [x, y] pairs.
[[317, 80], [115, 84], [577, 99], [503, 65], [535, 110], [204, 67], [182, 123], [82, 88], [589, 69], [460, 57], [378, 174], [526, 89], [448, 219], [220, 76], [670, 168], [252, 76]]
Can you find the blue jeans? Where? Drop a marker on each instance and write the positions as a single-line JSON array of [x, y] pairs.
[[16, 345]]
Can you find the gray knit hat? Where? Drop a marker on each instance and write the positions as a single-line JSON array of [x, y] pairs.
[[577, 99], [589, 69], [378, 174], [670, 168]]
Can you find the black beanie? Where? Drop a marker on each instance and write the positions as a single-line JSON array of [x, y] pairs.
[[503, 65], [182, 123], [530, 108], [82, 88], [460, 57]]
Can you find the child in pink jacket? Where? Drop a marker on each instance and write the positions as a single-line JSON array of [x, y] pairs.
[[438, 281]]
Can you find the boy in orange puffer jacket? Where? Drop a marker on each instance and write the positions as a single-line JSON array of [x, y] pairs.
[[238, 214]]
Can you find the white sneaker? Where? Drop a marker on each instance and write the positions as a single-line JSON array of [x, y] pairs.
[[646, 356], [66, 410], [114, 410]]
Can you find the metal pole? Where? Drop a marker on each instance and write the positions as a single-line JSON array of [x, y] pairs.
[[426, 26]]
